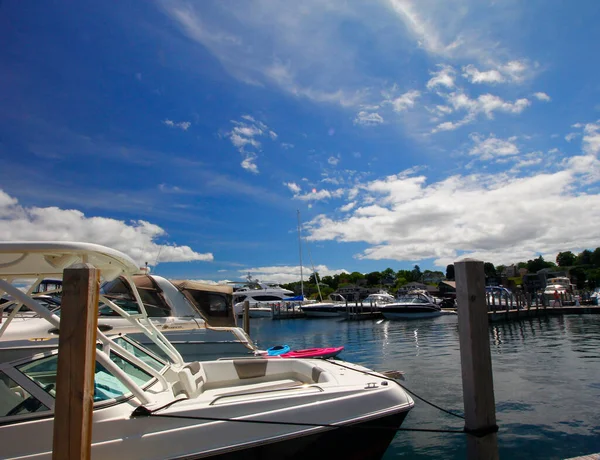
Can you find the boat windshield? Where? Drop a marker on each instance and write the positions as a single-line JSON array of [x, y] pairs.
[[43, 372], [412, 299]]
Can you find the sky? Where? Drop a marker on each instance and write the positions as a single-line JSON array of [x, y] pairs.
[[189, 134]]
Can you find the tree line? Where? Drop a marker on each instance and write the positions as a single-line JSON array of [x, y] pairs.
[[582, 267], [389, 279]]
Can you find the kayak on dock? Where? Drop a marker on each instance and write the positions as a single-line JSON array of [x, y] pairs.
[[328, 352]]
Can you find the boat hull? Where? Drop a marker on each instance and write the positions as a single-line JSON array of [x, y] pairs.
[[362, 441]]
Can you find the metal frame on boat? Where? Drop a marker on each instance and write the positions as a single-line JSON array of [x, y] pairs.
[[148, 408]]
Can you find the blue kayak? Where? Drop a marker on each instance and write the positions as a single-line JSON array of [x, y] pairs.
[[278, 350]]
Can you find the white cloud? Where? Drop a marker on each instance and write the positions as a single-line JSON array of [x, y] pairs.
[[333, 161], [498, 217], [443, 77], [368, 118], [244, 136], [348, 207], [249, 163], [294, 188], [569, 137], [283, 274], [183, 125], [542, 97], [317, 195], [136, 238], [405, 101], [591, 138], [486, 104], [287, 146], [492, 147], [513, 71], [475, 76]]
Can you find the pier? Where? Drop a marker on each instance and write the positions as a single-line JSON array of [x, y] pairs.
[[359, 311], [529, 312]]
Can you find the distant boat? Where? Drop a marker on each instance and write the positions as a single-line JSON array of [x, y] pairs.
[[325, 309], [563, 286], [415, 305], [261, 296]]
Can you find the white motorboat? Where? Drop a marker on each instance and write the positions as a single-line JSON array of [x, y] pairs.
[[187, 312], [330, 309], [148, 408], [414, 305], [562, 285], [262, 297]]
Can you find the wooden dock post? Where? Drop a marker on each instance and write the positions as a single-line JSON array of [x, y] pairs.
[[246, 317], [476, 361], [72, 437]]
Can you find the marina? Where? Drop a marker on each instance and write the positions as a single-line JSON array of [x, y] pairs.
[[544, 359], [545, 378]]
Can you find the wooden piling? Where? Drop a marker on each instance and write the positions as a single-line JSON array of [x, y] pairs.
[[476, 361], [72, 437], [246, 317]]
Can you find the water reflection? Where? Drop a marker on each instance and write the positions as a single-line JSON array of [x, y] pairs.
[[545, 377]]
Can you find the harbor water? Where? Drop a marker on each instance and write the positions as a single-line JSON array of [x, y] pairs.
[[546, 378]]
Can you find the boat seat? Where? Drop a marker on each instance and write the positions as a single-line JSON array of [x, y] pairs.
[[237, 372], [191, 380]]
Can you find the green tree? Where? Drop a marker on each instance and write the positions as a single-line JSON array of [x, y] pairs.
[[373, 278], [489, 270], [416, 273], [535, 265], [578, 277], [565, 259], [328, 280], [355, 277], [596, 257], [450, 272], [312, 279], [584, 257]]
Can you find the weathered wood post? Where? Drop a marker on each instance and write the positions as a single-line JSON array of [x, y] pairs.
[[476, 361], [246, 317], [76, 364]]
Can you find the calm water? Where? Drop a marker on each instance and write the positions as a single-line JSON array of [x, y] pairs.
[[546, 378]]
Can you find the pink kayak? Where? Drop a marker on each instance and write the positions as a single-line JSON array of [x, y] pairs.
[[329, 352]]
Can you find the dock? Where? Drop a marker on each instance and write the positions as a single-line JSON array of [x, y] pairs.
[[518, 313], [287, 312], [358, 311]]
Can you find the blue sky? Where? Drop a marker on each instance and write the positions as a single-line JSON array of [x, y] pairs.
[[404, 131]]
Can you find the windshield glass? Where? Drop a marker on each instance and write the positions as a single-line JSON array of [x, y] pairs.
[[138, 350], [106, 386]]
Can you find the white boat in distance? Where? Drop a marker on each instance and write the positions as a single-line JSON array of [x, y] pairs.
[[412, 305], [329, 309], [261, 297], [148, 408], [563, 286]]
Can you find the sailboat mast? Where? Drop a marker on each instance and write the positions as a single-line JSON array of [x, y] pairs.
[[300, 250], [316, 274]]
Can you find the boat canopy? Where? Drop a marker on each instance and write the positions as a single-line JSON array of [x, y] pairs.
[[36, 261], [214, 302], [48, 259]]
